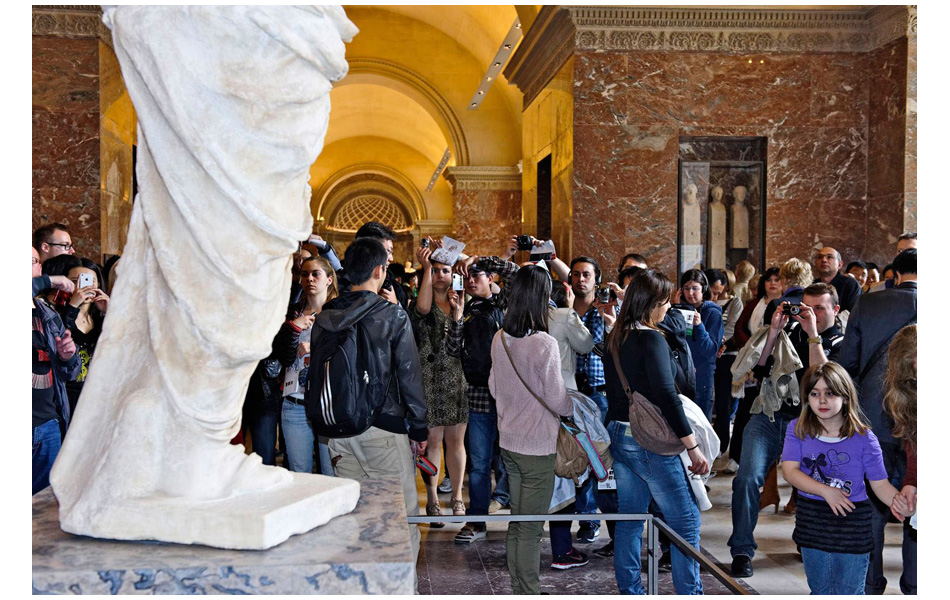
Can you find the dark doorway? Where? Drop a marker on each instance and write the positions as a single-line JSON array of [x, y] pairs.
[[544, 198]]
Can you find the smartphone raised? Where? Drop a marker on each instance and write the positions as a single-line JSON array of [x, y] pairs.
[[457, 284], [85, 280]]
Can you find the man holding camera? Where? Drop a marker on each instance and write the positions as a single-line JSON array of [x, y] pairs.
[[813, 332], [483, 317]]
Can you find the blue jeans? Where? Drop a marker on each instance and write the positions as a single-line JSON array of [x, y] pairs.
[[263, 428], [641, 476], [480, 438], [895, 463], [560, 532], [762, 443], [834, 574], [298, 435], [46, 443], [705, 390], [500, 493]]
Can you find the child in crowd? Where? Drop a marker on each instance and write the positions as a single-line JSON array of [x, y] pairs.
[[829, 452], [900, 400]]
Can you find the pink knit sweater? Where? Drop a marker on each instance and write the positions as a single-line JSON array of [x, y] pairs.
[[524, 425]]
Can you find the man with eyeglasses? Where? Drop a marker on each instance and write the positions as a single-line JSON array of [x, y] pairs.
[[827, 263], [52, 240]]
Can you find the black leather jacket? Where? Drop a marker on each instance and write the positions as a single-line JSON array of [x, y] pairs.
[[397, 357]]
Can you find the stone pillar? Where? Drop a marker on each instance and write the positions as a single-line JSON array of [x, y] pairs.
[[66, 170], [487, 206]]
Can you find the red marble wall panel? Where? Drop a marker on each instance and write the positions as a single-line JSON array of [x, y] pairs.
[[813, 109], [65, 118], [484, 219]]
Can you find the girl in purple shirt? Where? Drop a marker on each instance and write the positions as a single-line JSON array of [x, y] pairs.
[[829, 452]]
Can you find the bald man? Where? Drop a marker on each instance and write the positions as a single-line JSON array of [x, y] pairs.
[[827, 263]]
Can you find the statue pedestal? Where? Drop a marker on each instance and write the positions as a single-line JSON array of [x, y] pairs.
[[364, 552]]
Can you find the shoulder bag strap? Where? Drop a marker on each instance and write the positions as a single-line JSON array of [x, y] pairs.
[[504, 342], [623, 378]]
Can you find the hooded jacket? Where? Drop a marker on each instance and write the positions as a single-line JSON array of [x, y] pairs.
[[396, 357]]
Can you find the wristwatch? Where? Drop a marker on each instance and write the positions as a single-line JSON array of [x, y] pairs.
[[814, 340]]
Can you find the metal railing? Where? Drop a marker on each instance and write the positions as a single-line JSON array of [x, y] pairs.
[[654, 527]]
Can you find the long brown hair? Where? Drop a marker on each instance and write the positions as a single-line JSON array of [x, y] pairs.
[[840, 384], [900, 384], [648, 289], [327, 269]]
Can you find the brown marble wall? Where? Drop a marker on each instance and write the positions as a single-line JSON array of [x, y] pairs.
[[484, 219], [910, 140], [66, 172], [631, 109], [887, 131]]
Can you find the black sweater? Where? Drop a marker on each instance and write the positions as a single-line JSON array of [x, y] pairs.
[[648, 365]]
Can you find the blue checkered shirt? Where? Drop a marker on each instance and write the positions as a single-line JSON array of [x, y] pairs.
[[590, 363]]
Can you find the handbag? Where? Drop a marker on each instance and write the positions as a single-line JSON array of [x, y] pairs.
[[647, 425], [575, 450]]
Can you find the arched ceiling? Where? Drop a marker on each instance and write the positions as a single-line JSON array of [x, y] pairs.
[[373, 110]]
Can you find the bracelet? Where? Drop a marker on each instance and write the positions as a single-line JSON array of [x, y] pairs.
[[693, 448]]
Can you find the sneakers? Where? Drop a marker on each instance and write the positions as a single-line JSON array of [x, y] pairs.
[[666, 563], [731, 467], [742, 566], [574, 558], [606, 551], [588, 533], [445, 487], [469, 533], [494, 506], [434, 510]]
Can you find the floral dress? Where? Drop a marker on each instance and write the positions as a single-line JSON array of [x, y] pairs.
[[442, 376]]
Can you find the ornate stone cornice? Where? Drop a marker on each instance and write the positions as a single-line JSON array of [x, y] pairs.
[[465, 179], [561, 30], [545, 48], [74, 21]]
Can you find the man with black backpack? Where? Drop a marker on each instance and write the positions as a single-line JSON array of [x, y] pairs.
[[484, 315], [365, 380]]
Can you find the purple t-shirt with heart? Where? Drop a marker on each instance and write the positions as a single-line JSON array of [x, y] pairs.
[[842, 463]]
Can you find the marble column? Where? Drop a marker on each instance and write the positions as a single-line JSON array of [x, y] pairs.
[[487, 206], [66, 171]]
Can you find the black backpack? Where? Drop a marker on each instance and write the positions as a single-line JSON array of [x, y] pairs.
[[483, 320], [344, 393]]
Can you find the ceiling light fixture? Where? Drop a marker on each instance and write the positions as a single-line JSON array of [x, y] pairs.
[[498, 62], [438, 170]]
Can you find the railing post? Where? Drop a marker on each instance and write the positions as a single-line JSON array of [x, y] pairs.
[[652, 558]]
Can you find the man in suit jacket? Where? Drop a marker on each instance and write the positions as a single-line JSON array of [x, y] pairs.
[[875, 320]]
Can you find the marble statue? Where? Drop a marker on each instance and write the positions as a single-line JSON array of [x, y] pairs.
[[691, 228], [232, 105], [739, 237], [716, 238], [692, 231]]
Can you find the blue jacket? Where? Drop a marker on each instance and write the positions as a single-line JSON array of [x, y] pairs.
[[63, 371], [706, 338]]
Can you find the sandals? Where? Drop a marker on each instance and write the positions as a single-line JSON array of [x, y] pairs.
[[434, 510], [469, 534], [458, 508]]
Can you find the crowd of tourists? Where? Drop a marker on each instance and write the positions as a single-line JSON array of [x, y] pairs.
[[808, 368]]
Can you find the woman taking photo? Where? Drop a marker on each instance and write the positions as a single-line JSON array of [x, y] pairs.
[[82, 314], [526, 383], [706, 337], [292, 347], [436, 313], [643, 475]]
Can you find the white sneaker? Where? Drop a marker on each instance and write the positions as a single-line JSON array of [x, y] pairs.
[[445, 487], [731, 468]]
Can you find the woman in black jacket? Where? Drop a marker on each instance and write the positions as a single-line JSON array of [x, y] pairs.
[[643, 475]]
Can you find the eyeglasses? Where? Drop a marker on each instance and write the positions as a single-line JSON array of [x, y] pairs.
[[65, 246]]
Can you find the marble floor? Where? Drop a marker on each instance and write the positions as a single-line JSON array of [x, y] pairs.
[[479, 568]]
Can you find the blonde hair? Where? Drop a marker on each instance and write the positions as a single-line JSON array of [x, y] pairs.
[[900, 384], [840, 383], [744, 271], [730, 291], [796, 272]]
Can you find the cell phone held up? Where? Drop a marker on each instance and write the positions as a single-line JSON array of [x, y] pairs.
[[457, 283], [85, 280]]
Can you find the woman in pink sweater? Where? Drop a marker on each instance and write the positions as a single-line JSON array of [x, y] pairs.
[[526, 366]]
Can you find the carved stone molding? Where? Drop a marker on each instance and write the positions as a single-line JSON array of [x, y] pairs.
[[74, 21], [889, 23], [545, 48], [483, 178]]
